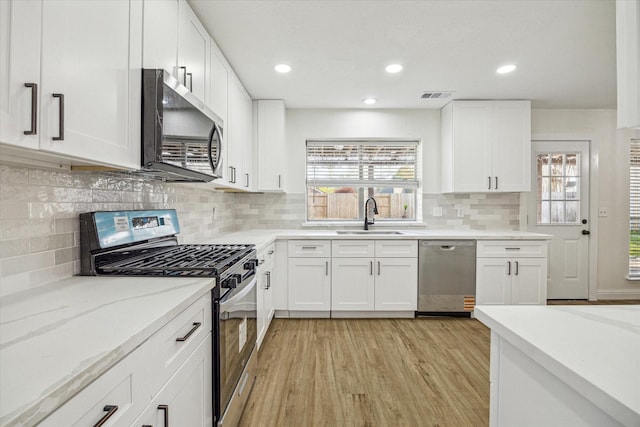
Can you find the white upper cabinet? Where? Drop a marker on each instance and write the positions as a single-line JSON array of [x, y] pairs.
[[219, 83], [20, 58], [270, 116], [486, 146], [239, 139], [194, 48], [160, 49], [85, 58], [628, 62]]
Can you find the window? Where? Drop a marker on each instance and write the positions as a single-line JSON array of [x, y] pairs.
[[634, 209], [558, 188], [341, 175]]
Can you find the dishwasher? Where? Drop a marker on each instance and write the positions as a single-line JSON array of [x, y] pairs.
[[446, 277]]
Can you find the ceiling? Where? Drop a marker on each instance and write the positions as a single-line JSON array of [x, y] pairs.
[[564, 50]]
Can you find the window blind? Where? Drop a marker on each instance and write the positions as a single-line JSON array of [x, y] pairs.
[[362, 164], [634, 209]]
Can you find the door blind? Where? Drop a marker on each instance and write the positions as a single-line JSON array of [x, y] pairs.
[[362, 164], [634, 208]]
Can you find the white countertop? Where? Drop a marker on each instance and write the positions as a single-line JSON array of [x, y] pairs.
[[55, 341], [263, 237], [594, 349]]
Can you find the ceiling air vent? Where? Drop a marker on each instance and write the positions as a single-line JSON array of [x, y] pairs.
[[436, 95]]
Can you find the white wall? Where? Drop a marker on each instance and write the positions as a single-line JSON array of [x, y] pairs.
[[423, 125], [610, 165]]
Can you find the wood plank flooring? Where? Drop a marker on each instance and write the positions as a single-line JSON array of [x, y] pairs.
[[372, 372]]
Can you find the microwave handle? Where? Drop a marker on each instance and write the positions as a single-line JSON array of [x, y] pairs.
[[214, 165]]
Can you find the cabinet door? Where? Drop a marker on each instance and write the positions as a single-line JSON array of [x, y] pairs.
[[91, 54], [529, 285], [219, 99], [20, 26], [352, 284], [270, 144], [396, 285], [493, 281], [234, 133], [193, 53], [262, 291], [471, 146], [511, 145], [160, 48], [248, 175], [309, 284], [186, 400]]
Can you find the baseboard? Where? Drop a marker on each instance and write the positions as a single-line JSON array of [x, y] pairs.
[[372, 314], [619, 294]]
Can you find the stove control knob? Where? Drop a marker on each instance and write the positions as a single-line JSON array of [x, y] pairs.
[[230, 282], [251, 264]]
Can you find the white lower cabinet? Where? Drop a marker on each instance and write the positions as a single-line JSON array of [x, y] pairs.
[[265, 290], [396, 284], [186, 399], [309, 284], [511, 273], [361, 280], [352, 284], [172, 368]]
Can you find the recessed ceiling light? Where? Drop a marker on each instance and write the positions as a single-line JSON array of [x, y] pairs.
[[393, 68], [506, 69], [282, 68], [369, 101]]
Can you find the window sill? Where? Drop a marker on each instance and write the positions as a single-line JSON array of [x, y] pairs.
[[633, 278]]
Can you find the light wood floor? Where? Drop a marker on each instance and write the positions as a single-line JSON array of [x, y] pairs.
[[373, 372]]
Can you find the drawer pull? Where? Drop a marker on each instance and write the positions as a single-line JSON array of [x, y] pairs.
[[271, 252], [165, 408], [308, 247], [512, 249], [196, 325], [110, 410]]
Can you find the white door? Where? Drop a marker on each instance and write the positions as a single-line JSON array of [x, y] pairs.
[[396, 285], [352, 284], [91, 61], [309, 284], [559, 206]]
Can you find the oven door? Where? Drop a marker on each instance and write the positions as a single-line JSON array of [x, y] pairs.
[[238, 333]]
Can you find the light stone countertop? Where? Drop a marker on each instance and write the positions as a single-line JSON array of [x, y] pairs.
[[593, 349], [263, 237], [58, 339]]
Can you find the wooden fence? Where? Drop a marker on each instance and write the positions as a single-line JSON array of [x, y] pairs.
[[345, 205]]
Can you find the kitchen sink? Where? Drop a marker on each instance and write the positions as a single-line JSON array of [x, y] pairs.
[[376, 232]]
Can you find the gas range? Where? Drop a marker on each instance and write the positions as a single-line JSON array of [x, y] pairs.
[[144, 243]]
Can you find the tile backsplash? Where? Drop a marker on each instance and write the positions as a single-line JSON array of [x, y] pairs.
[[39, 237]]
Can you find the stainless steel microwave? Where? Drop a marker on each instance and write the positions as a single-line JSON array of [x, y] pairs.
[[181, 137]]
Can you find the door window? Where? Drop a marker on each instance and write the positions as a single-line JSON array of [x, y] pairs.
[[558, 187]]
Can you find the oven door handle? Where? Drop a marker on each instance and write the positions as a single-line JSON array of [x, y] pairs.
[[239, 295]]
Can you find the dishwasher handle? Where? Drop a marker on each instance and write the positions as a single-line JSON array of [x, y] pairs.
[[447, 245]]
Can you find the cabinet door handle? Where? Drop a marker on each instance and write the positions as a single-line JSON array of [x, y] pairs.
[[279, 181], [235, 176], [196, 325], [489, 182], [517, 267], [326, 268], [184, 76], [246, 176], [509, 272], [34, 109], [190, 81], [60, 136], [268, 280], [370, 268], [165, 408], [378, 268], [496, 183], [110, 410], [271, 252]]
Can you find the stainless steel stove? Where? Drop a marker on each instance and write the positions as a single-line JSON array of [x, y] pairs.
[[144, 243]]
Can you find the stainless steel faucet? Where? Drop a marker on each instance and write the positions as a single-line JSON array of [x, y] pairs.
[[366, 212]]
